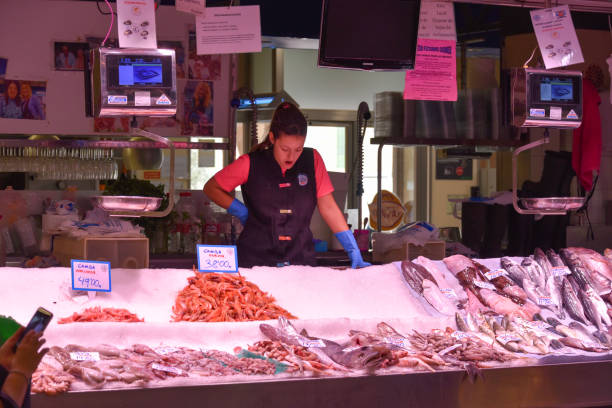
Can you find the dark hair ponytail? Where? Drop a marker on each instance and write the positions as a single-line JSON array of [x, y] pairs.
[[287, 119]]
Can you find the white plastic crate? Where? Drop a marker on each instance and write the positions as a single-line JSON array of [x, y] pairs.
[[132, 253]]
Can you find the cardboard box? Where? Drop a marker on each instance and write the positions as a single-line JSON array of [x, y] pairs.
[[435, 250], [129, 253]]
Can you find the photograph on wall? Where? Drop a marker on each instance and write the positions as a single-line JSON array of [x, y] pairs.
[[69, 56], [197, 108], [21, 99], [179, 50], [3, 65], [205, 67]]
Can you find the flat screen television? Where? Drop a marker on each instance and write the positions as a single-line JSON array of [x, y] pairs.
[[369, 35]]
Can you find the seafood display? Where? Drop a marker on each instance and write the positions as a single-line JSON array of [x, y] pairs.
[[463, 314], [218, 297], [98, 314]]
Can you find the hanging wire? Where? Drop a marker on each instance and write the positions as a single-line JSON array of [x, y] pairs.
[[102, 11], [111, 24], [530, 58]]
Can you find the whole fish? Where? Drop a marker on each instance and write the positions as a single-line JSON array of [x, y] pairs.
[[590, 310], [461, 324], [553, 287], [534, 272], [579, 272], [599, 308], [608, 253], [516, 272], [411, 277], [582, 332], [579, 344], [594, 261], [540, 257], [603, 337], [572, 302], [502, 283], [457, 263], [442, 282]]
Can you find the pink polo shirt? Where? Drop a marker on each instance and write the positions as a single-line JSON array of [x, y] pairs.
[[237, 173]]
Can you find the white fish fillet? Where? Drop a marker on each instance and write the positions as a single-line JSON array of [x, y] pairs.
[[443, 284], [432, 294]]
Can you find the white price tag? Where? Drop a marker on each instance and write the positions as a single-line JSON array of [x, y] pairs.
[[91, 275], [449, 349], [167, 369], [312, 343], [349, 349], [495, 274], [555, 112], [166, 350], [545, 301], [142, 98], [217, 258], [85, 356], [399, 342], [197, 7], [538, 324], [484, 285], [459, 335], [561, 271], [507, 338], [449, 293]]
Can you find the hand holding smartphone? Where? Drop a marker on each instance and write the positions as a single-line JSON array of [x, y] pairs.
[[38, 323]]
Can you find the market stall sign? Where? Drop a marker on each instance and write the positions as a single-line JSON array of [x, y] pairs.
[[217, 258], [91, 275]]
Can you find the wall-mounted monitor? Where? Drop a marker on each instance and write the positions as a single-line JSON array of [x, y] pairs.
[[369, 35]]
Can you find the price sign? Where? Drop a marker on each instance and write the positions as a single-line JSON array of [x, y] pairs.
[[449, 293], [561, 271], [545, 301], [507, 338], [85, 356], [484, 285], [217, 258], [311, 343], [91, 275], [495, 274]]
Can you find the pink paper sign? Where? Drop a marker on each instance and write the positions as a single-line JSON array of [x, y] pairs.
[[434, 77]]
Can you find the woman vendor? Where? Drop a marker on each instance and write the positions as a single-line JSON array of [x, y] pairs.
[[282, 182]]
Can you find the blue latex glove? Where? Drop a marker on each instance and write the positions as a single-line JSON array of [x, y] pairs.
[[237, 209], [347, 240]]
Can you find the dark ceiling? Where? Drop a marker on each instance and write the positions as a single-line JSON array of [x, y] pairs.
[[301, 19]]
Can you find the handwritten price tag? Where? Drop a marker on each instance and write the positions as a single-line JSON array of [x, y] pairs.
[[495, 274], [545, 301], [91, 275], [167, 369], [166, 350], [561, 271], [312, 343], [460, 335], [484, 285], [449, 293], [85, 356], [217, 258], [507, 338]]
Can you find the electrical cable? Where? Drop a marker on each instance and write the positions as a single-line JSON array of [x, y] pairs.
[[530, 58], [101, 11], [111, 24]]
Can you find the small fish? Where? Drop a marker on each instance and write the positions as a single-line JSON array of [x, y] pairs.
[[516, 272], [461, 325], [582, 331], [572, 302], [579, 344], [534, 272], [603, 337]]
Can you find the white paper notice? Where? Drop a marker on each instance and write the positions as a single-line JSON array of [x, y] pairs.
[[556, 36], [228, 30], [437, 21], [142, 98], [197, 7], [136, 23]]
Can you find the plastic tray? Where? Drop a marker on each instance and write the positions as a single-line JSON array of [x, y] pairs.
[[552, 203], [128, 203]]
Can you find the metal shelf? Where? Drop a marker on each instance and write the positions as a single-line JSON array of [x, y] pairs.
[[77, 143], [406, 142]]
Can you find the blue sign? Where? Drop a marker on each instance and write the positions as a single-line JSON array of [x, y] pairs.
[[217, 258], [91, 275]]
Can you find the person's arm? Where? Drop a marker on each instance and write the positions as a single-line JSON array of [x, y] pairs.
[[23, 364], [213, 190], [335, 220], [226, 180], [331, 213]]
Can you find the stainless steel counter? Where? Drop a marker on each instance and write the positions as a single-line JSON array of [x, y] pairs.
[[562, 382]]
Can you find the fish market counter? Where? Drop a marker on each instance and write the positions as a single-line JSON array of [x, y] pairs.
[[576, 384], [154, 355]]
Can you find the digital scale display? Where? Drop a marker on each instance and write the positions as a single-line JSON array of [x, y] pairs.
[[139, 72], [555, 89]]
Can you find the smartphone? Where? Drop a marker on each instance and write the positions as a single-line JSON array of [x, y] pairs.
[[38, 322]]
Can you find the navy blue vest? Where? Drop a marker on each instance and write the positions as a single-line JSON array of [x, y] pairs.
[[280, 208]]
